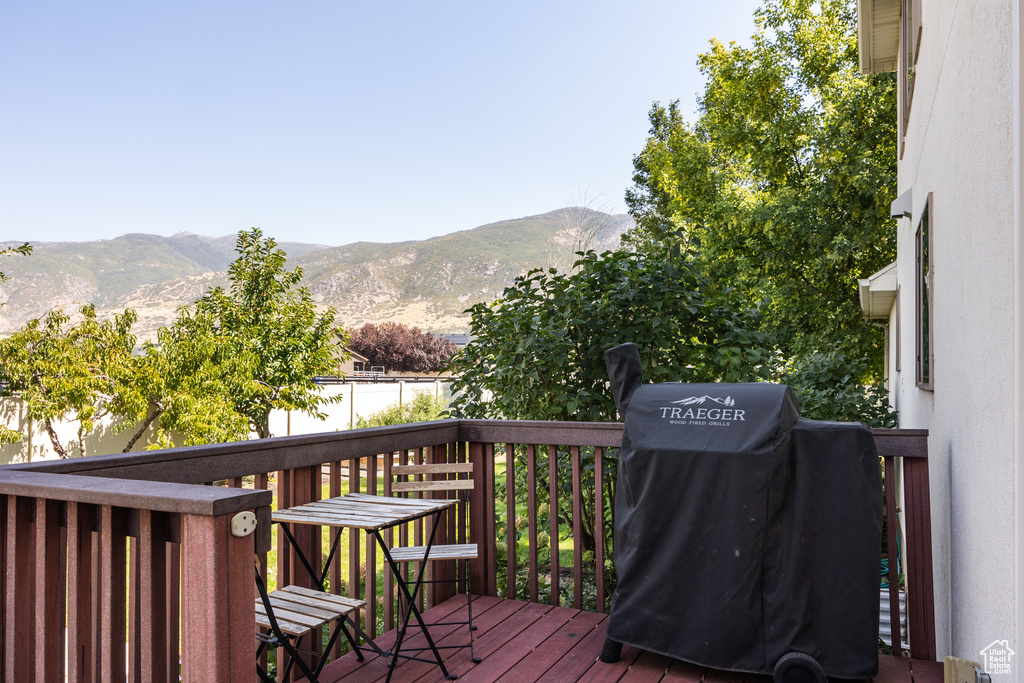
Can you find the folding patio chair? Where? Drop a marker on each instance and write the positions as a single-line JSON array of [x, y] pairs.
[[288, 614], [420, 478]]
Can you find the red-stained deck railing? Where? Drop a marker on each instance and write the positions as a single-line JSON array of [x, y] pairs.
[[105, 556]]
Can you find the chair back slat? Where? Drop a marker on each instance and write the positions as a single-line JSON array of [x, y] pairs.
[[439, 468], [425, 483], [448, 485]]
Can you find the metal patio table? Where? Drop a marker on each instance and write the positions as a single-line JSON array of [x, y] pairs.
[[373, 514]]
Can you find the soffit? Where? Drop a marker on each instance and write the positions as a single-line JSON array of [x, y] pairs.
[[878, 34], [878, 292]]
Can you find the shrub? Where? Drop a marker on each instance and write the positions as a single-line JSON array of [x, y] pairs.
[[830, 386], [423, 408]]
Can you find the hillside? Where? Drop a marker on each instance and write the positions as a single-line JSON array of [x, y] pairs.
[[428, 283]]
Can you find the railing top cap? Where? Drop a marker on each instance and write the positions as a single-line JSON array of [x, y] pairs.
[[129, 493]]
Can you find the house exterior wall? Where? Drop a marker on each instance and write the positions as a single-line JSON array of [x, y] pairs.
[[959, 148]]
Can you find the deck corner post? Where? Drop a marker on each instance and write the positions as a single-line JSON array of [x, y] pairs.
[[218, 612]]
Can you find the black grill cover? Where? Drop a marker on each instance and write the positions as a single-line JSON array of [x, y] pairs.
[[743, 532]]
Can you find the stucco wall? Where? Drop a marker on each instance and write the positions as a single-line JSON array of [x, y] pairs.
[[959, 148]]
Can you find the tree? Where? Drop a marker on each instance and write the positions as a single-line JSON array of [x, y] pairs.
[[398, 347], [267, 328], [583, 219], [786, 177], [538, 351], [8, 435], [185, 384], [25, 249], [213, 375], [69, 370]]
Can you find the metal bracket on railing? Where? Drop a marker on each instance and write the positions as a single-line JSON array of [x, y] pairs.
[[243, 524]]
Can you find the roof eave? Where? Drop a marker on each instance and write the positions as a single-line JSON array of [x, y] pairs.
[[878, 35], [878, 292]]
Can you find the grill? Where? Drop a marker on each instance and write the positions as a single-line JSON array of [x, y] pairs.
[[746, 538]]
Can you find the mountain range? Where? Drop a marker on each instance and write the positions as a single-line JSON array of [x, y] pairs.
[[428, 283]]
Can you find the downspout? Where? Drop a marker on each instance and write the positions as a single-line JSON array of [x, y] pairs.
[[1018, 324], [885, 362]]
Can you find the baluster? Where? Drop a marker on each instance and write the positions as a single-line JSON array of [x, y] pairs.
[[553, 520], [510, 521], [577, 528], [599, 525]]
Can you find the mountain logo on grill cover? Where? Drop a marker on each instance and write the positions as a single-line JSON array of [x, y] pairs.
[[698, 400]]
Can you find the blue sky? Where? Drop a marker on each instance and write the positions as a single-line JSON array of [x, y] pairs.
[[331, 122]]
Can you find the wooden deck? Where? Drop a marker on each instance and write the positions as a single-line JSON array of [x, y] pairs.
[[521, 642]]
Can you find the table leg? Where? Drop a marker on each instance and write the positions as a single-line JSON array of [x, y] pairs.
[[411, 609]]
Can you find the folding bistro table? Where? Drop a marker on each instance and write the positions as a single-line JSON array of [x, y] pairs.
[[373, 514]]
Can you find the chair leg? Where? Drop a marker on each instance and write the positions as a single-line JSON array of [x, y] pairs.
[[469, 612], [349, 637], [260, 670]]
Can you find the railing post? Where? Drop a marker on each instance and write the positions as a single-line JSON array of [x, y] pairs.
[[217, 602], [49, 593], [920, 589], [81, 581], [152, 598], [112, 592], [481, 520], [19, 626]]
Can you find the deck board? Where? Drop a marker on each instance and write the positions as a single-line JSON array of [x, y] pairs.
[[926, 672], [554, 648], [523, 642], [574, 663], [684, 672], [518, 648]]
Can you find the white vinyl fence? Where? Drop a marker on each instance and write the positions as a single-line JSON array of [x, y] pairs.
[[359, 399]]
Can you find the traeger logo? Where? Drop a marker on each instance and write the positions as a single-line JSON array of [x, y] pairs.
[[690, 411]]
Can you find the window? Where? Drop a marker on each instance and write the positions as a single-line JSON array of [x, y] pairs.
[[925, 285], [910, 44]]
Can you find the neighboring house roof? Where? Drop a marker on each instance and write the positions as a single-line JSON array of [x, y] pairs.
[[459, 340], [878, 292], [356, 356], [878, 34]]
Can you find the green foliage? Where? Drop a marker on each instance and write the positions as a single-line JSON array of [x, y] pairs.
[[423, 408], [538, 352], [185, 384], [25, 249], [8, 435], [267, 330], [829, 386], [216, 373], [235, 355], [66, 369], [786, 177]]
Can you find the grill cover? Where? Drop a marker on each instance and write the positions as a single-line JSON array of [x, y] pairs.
[[742, 531]]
